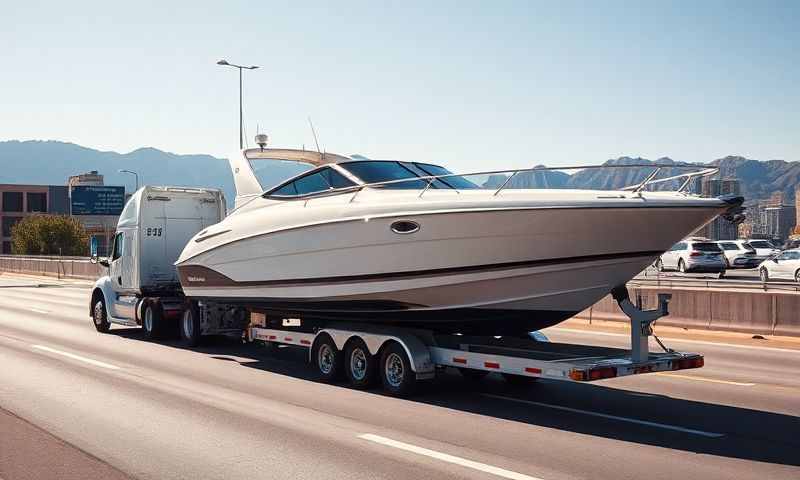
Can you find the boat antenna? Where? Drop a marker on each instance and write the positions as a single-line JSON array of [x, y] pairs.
[[314, 132]]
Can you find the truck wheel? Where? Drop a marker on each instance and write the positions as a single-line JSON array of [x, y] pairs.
[[519, 380], [472, 374], [395, 371], [152, 320], [359, 364], [190, 325], [99, 317], [327, 358]]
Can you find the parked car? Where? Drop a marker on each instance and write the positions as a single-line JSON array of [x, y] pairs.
[[740, 254], [764, 248], [693, 255], [785, 266]]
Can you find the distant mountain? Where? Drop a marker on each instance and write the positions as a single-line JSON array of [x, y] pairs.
[[52, 162]]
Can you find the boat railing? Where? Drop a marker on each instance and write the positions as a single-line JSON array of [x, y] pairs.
[[650, 179]]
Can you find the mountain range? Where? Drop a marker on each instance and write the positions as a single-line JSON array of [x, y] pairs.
[[52, 162]]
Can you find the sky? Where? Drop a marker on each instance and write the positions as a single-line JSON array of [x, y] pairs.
[[471, 85]]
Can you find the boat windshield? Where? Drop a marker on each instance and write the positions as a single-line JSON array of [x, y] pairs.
[[271, 172], [376, 171]]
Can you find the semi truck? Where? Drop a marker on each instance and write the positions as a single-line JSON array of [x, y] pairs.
[[142, 289]]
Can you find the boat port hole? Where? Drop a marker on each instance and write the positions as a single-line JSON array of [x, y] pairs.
[[405, 227]]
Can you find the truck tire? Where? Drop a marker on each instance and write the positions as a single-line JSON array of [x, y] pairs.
[[397, 377], [153, 319], [99, 315], [190, 325], [327, 358], [359, 365]]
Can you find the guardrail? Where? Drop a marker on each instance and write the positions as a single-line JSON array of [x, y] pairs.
[[51, 266], [714, 284]]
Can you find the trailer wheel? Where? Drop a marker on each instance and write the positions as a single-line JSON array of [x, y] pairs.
[[99, 316], [472, 374], [190, 325], [360, 365], [395, 371], [327, 358], [519, 380], [153, 319]]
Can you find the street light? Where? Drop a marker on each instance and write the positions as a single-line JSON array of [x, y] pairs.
[[132, 173], [225, 63]]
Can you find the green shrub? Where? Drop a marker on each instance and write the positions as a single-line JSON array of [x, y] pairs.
[[47, 234]]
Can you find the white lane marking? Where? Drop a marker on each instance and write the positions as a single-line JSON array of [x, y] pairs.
[[37, 310], [700, 342], [705, 379], [482, 467], [611, 417], [76, 357]]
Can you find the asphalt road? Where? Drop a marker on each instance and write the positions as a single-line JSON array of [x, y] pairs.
[[227, 410]]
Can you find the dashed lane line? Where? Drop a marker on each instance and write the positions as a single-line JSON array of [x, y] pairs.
[[79, 358]]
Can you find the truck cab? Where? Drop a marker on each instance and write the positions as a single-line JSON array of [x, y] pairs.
[[142, 287]]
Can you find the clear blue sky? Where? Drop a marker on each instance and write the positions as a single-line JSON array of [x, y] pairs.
[[473, 85]]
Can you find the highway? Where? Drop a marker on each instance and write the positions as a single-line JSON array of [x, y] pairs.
[[80, 404]]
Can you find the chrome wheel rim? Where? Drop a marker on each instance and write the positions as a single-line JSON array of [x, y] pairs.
[[325, 358], [358, 364], [148, 319], [98, 313], [187, 324], [394, 370]]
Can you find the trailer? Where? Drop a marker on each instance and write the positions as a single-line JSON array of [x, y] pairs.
[[141, 289]]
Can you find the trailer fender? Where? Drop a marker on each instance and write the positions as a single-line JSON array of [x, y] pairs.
[[417, 351]]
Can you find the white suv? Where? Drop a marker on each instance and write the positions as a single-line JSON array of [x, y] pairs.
[[693, 255], [785, 266], [740, 254]]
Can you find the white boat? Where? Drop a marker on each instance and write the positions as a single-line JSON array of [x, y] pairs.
[[412, 244]]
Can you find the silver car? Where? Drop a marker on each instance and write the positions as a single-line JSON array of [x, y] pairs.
[[785, 266], [693, 255]]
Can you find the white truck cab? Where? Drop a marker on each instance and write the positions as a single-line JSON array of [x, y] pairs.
[[152, 230]]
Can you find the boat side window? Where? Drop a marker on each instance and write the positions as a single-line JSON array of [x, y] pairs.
[[454, 182], [376, 171], [319, 181]]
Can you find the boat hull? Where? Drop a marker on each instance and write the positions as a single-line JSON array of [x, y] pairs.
[[477, 272]]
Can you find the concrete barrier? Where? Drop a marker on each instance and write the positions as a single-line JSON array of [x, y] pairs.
[[770, 312], [59, 267]]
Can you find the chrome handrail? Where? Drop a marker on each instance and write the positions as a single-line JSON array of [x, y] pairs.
[[430, 179]]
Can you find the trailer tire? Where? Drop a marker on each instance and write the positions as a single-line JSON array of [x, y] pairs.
[[153, 319], [519, 380], [190, 325], [472, 375], [327, 358], [360, 366], [397, 377], [100, 315]]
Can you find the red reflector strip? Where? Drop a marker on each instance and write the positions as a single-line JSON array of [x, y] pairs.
[[684, 363], [491, 364], [459, 360], [605, 372], [305, 342], [533, 370], [288, 339], [271, 337]]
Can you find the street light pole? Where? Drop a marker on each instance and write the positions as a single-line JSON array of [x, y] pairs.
[[132, 173], [241, 121]]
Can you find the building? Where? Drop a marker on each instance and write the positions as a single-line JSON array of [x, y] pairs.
[[719, 228], [99, 219], [779, 221], [19, 201]]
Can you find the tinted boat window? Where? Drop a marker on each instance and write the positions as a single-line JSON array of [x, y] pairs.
[[316, 182], [706, 247], [383, 171], [455, 182]]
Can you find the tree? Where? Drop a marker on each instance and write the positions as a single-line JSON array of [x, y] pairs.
[[49, 235]]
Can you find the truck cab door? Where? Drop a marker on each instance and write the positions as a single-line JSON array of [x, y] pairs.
[[115, 261]]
